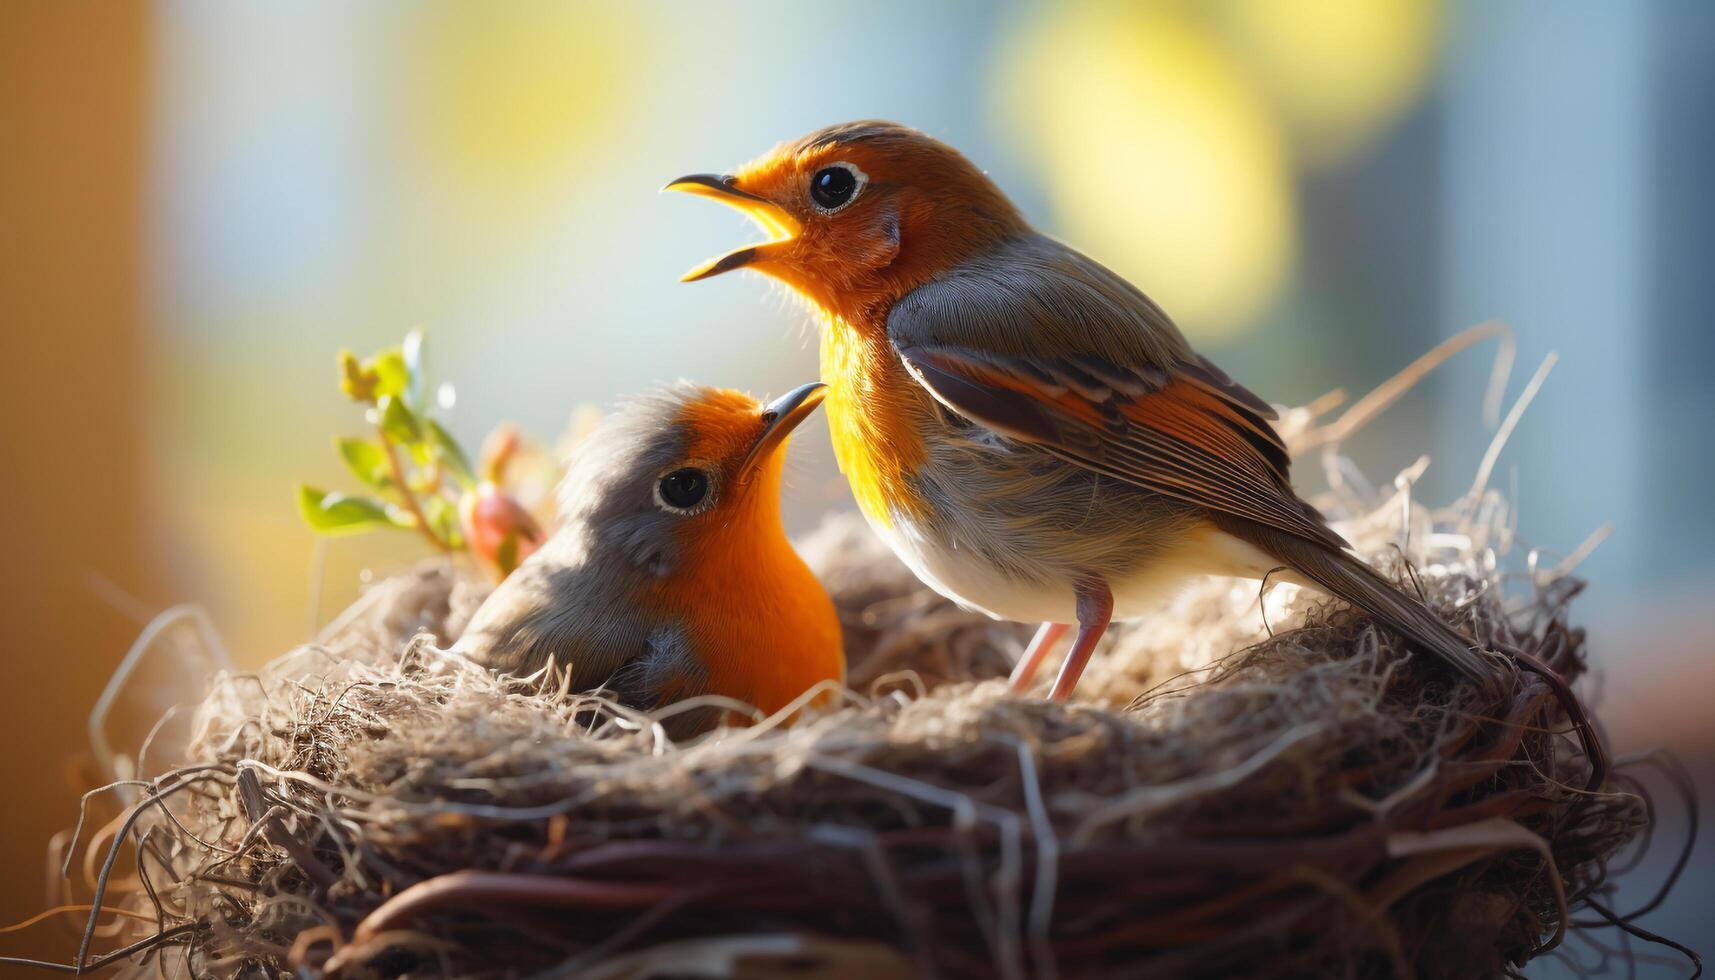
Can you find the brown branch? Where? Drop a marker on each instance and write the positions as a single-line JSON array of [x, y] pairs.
[[467, 888], [405, 494]]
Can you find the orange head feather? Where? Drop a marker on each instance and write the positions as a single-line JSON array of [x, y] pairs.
[[860, 213], [763, 625]]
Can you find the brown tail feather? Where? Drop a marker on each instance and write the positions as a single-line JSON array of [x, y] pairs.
[[1357, 583]]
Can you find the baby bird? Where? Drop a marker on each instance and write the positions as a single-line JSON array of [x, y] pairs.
[[670, 575]]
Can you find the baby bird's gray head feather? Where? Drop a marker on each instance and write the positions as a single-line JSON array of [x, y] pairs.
[[609, 492]]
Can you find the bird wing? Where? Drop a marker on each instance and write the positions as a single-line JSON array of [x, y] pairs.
[[556, 608], [1044, 345]]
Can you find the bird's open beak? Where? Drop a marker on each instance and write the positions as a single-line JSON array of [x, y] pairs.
[[779, 223], [779, 419]]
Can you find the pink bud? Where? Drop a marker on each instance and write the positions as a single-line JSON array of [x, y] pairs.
[[499, 531]]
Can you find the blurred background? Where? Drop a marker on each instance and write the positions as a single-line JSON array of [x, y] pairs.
[[201, 201]]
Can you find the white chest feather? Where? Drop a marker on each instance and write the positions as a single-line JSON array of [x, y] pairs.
[[967, 578]]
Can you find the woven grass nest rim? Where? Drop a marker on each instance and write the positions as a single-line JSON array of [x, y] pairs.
[[1307, 798]]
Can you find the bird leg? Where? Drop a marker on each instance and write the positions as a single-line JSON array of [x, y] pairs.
[[1095, 609], [1040, 646]]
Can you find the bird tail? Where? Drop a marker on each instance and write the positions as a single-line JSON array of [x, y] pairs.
[[1348, 578]]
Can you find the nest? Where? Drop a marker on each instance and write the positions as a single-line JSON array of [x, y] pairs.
[[1256, 783]]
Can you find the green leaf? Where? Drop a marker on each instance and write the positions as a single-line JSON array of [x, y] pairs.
[[366, 460], [443, 517], [397, 422], [412, 352], [337, 513], [392, 377], [447, 450]]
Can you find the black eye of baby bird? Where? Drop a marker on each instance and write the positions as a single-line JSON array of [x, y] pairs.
[[684, 488], [834, 187]]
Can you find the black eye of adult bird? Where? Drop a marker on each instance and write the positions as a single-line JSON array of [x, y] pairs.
[[683, 488], [834, 187]]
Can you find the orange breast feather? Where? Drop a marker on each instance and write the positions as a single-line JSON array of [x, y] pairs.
[[761, 623], [875, 413]]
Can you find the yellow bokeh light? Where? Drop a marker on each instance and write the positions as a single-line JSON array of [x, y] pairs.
[[501, 97], [498, 111], [1159, 157], [1342, 70]]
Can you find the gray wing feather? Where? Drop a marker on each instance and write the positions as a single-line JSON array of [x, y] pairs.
[[1006, 338], [557, 607], [1032, 297]]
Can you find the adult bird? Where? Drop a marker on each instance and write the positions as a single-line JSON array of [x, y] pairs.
[[1029, 431], [670, 575]]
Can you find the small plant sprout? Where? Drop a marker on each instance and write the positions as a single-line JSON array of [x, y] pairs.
[[415, 475]]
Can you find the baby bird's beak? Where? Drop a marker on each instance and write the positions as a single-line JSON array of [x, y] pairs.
[[779, 223], [778, 420]]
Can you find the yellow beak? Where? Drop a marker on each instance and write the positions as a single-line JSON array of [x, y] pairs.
[[779, 223]]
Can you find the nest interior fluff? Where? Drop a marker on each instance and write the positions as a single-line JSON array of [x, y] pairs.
[[1255, 782]]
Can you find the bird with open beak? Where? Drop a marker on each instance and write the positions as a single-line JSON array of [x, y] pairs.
[[670, 575], [1030, 432]]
